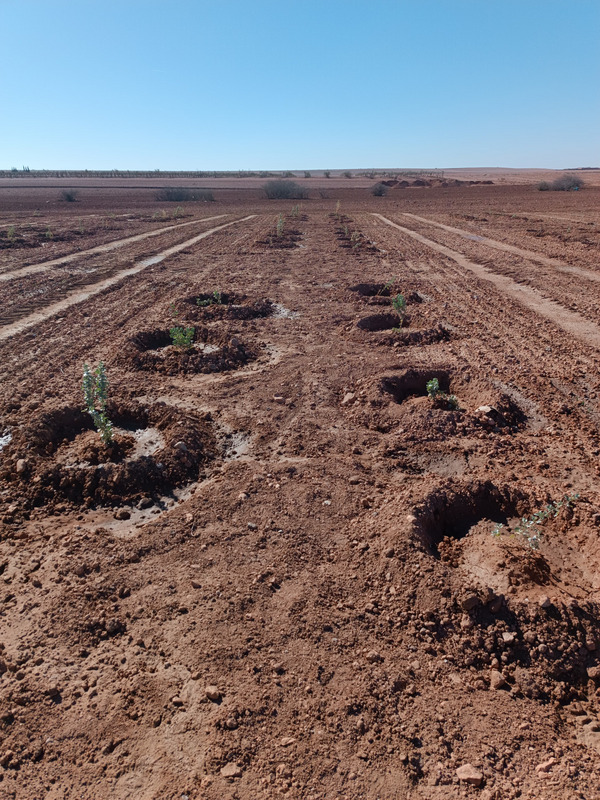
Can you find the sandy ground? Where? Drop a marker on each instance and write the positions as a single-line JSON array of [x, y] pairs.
[[296, 574]]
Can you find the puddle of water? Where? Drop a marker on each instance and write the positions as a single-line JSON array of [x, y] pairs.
[[281, 311], [5, 439]]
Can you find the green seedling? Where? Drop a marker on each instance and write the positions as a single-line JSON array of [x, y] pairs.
[[11, 233], [216, 299], [529, 528], [355, 239], [439, 397], [386, 288], [399, 305], [280, 224], [95, 397], [182, 337], [295, 211]]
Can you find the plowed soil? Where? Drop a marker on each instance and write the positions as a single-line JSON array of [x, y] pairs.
[[319, 582]]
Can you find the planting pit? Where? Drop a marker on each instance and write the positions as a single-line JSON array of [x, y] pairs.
[[229, 305], [155, 449], [381, 322], [211, 351], [452, 513], [413, 383]]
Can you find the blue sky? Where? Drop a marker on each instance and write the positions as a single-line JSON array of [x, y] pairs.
[[299, 84]]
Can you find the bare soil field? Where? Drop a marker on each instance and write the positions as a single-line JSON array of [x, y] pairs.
[[339, 548]]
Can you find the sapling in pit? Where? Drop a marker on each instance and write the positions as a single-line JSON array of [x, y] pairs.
[[95, 396]]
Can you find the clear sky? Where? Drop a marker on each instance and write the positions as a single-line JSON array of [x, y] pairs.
[[299, 84]]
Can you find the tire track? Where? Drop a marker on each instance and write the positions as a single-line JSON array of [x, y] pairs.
[[569, 321], [509, 248], [102, 248], [79, 296]]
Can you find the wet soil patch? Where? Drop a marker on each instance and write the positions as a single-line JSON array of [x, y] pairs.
[[223, 305], [372, 289], [211, 351], [433, 335], [451, 512], [64, 457], [381, 322]]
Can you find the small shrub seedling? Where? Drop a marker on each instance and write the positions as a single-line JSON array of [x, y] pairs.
[[280, 224], [95, 396], [355, 240], [216, 299], [399, 305], [440, 398], [530, 527], [182, 337]]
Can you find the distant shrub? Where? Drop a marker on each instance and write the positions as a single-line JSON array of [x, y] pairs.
[[347, 174], [379, 190], [288, 174], [566, 183], [69, 195], [327, 173], [178, 194], [284, 190], [307, 174]]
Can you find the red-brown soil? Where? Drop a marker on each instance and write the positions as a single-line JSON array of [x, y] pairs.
[[296, 591]]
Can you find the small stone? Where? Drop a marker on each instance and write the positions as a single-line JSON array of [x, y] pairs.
[[497, 680], [470, 602], [544, 601], [243, 496], [231, 723], [546, 766], [496, 604], [196, 584], [468, 774], [145, 502], [122, 513], [231, 770], [373, 657], [594, 673], [348, 398], [466, 622], [389, 553], [252, 526], [354, 480], [278, 398], [508, 637], [182, 446], [213, 693], [22, 465], [283, 771], [287, 741]]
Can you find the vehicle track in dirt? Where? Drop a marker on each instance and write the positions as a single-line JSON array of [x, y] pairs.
[[103, 248], [98, 281], [568, 320], [508, 248]]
